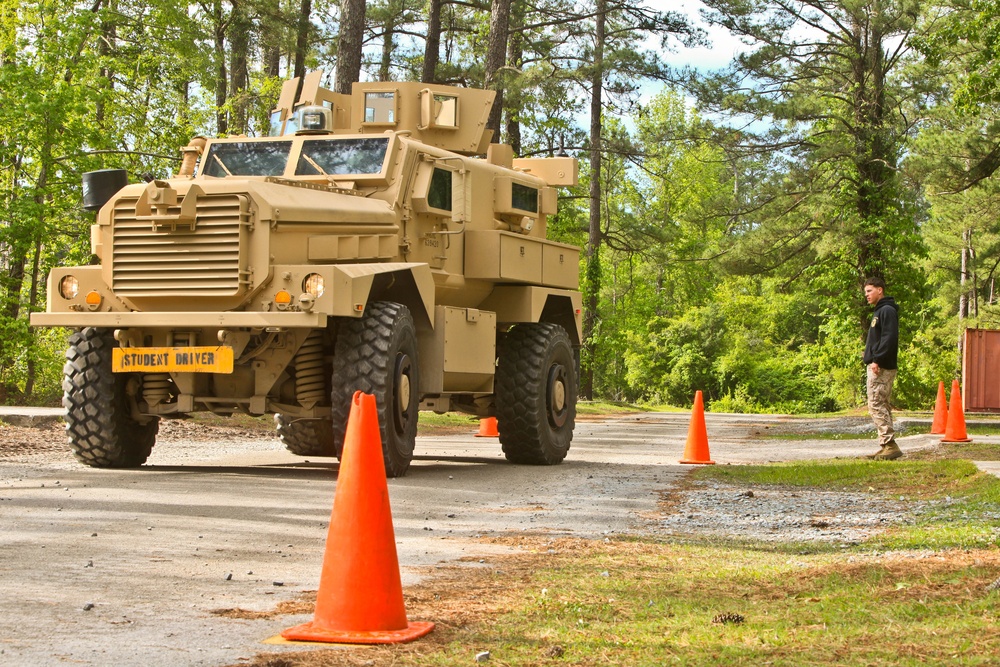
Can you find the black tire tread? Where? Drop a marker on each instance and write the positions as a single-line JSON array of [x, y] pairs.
[[525, 434], [306, 437], [99, 425], [362, 362]]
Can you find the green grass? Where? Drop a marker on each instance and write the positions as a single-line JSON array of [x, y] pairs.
[[643, 603], [813, 436], [455, 419], [650, 604], [977, 450], [983, 429], [618, 408], [915, 595]]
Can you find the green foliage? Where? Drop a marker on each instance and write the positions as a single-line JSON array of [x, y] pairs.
[[730, 259]]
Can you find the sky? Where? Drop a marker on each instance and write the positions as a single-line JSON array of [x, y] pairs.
[[716, 56]]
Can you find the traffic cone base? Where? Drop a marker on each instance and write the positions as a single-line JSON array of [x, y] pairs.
[[360, 597], [696, 449], [488, 428], [955, 431], [310, 632], [940, 423]]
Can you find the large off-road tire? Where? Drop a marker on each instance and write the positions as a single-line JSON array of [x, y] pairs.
[[536, 387], [306, 437], [377, 354], [102, 431]]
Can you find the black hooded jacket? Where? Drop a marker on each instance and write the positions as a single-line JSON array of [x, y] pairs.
[[883, 334]]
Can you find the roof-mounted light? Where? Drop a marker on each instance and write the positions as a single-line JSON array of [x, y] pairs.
[[315, 120]]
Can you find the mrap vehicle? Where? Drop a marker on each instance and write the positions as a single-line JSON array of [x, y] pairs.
[[375, 241]]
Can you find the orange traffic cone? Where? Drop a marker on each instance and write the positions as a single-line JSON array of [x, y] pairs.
[[940, 412], [488, 428], [360, 599], [696, 449], [955, 431]]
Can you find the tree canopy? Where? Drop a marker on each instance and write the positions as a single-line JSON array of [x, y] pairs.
[[728, 218]]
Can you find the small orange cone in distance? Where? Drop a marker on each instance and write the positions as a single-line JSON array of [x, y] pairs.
[[360, 599], [955, 430], [696, 449], [940, 412], [488, 428]]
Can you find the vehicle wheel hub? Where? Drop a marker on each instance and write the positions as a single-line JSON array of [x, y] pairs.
[[557, 407], [401, 395]]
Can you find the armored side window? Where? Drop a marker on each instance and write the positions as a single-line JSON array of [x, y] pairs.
[[380, 107], [524, 198], [439, 195], [246, 158], [446, 111], [276, 128]]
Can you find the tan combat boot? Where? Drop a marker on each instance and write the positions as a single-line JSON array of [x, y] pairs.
[[888, 452], [873, 457]]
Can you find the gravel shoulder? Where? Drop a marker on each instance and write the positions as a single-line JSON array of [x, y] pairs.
[[114, 566]]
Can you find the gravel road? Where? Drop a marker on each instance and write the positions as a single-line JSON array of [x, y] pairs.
[[122, 567]]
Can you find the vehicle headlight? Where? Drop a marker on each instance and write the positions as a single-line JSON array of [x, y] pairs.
[[69, 287], [314, 284]]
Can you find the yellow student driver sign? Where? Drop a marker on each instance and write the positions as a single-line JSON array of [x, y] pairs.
[[173, 359]]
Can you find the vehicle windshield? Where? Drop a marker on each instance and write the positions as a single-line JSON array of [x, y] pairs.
[[246, 158], [328, 157]]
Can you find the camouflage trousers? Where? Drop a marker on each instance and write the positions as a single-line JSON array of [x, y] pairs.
[[879, 397]]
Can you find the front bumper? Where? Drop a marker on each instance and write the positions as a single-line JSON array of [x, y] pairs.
[[229, 320]]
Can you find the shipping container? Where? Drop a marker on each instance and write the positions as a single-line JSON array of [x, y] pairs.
[[981, 370]]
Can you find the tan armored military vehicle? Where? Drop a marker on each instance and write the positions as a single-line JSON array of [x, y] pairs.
[[375, 241]]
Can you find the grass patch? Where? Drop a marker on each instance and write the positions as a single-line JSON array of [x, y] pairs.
[[576, 602], [983, 429], [922, 480], [770, 435], [598, 408], [972, 451], [450, 423]]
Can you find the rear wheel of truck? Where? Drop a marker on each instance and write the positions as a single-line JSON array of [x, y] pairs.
[[102, 430], [306, 437], [377, 354], [536, 387]]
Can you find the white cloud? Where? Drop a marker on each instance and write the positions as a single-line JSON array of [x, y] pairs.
[[723, 45]]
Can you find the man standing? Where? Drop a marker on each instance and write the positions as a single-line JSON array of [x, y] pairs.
[[880, 356]]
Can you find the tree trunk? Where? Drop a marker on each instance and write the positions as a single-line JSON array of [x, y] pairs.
[[105, 46], [496, 57], [239, 47], [432, 47], [515, 58], [963, 306], [302, 38], [388, 40], [272, 61], [352, 32], [271, 23], [593, 251], [30, 370], [877, 191], [221, 72]]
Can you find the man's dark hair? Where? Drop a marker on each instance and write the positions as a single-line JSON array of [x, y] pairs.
[[875, 281]]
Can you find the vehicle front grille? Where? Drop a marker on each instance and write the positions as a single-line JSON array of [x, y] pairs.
[[177, 260]]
